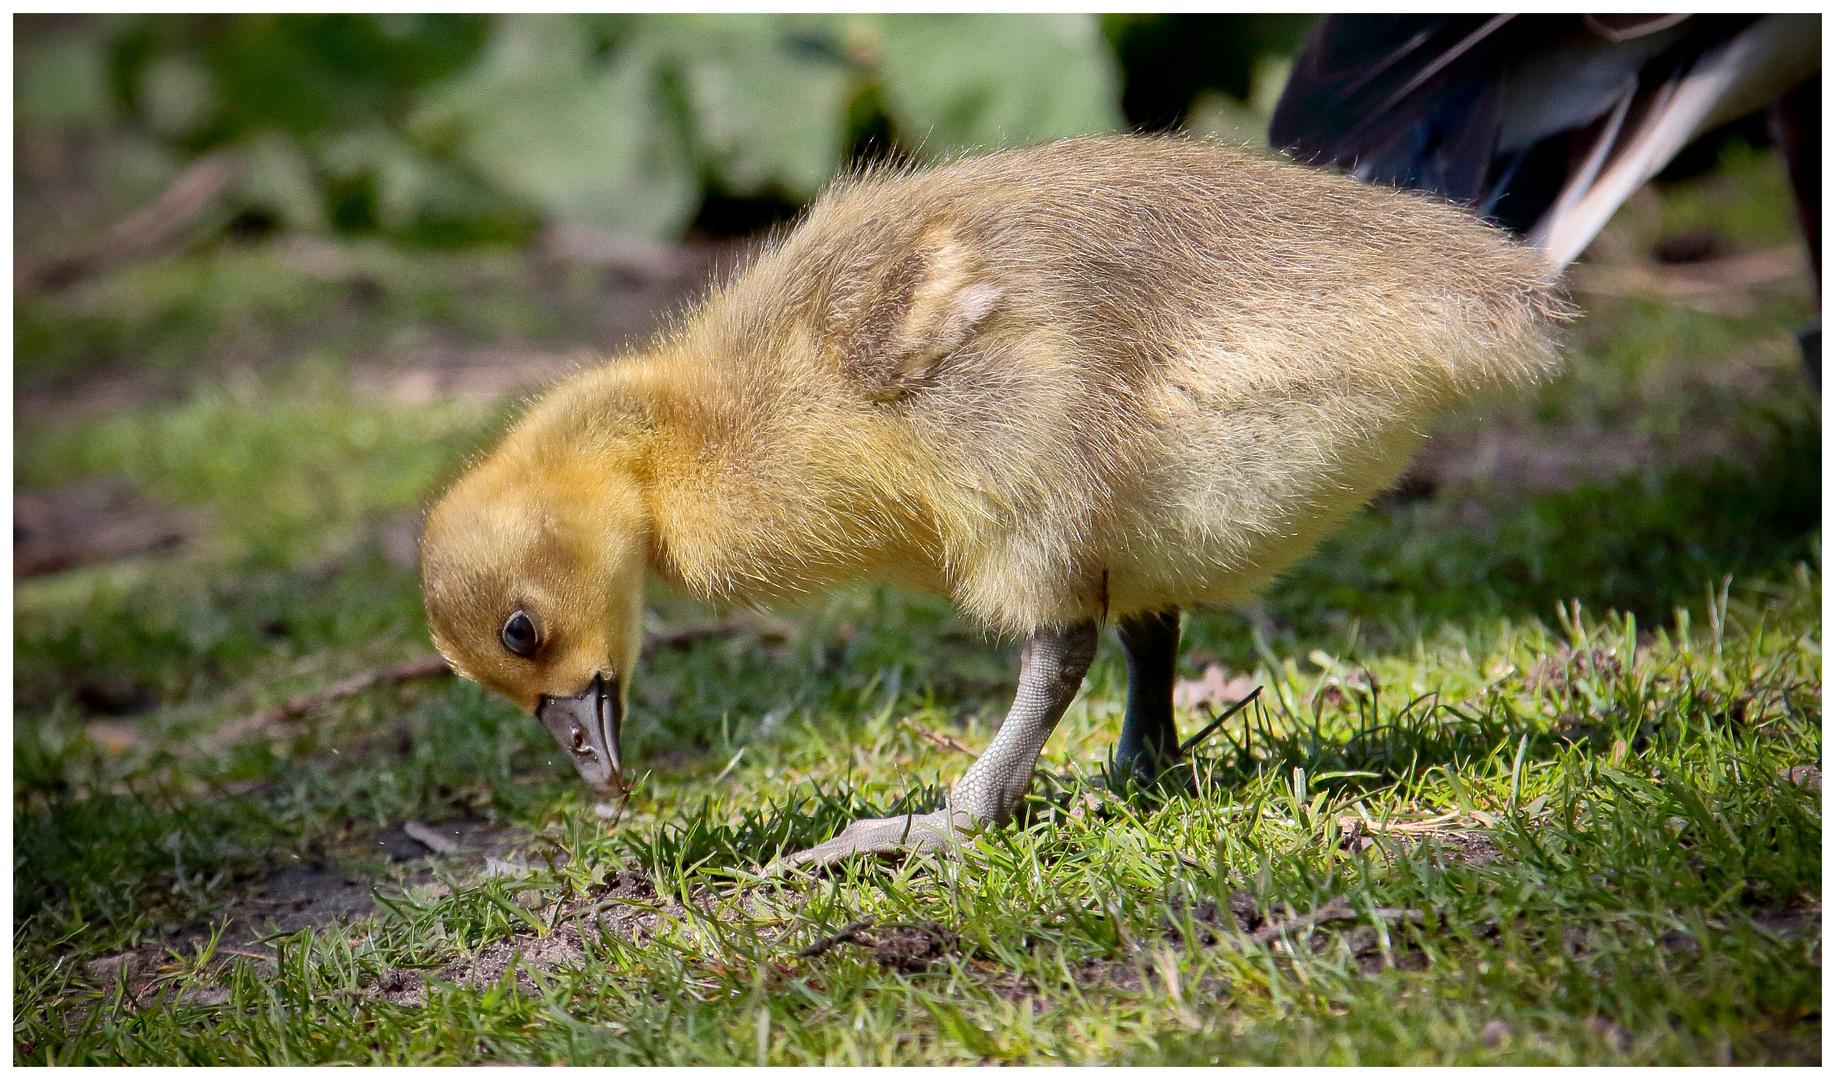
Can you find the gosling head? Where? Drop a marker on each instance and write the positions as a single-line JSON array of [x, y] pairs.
[[533, 582]]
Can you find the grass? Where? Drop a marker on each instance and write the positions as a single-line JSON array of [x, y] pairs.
[[238, 304], [1548, 746]]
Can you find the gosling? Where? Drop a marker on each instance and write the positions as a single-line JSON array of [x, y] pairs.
[[1098, 379]]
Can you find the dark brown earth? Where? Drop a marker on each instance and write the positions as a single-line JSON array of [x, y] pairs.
[[95, 521]]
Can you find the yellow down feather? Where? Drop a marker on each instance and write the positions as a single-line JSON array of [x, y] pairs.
[[1081, 380]]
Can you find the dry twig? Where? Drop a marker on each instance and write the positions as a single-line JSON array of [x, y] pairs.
[[643, 259], [1217, 722], [1717, 286], [846, 935], [1337, 909], [422, 667], [1352, 826], [683, 637], [149, 229], [431, 838], [935, 738]]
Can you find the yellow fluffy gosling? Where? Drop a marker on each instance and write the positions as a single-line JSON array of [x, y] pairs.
[[1099, 379]]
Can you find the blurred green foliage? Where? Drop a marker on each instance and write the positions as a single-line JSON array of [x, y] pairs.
[[1176, 65], [458, 129], [1645, 770], [1640, 543]]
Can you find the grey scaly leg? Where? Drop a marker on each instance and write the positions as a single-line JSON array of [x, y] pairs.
[[1149, 738], [1051, 667]]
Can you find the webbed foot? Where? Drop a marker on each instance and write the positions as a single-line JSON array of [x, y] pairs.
[[906, 834], [1051, 667]]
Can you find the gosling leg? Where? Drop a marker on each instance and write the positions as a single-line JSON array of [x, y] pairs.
[[1051, 668], [1149, 739]]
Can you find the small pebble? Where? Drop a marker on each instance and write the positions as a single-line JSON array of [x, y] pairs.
[[1615, 1036], [504, 868], [431, 838], [203, 995], [105, 968], [1808, 776], [1495, 1033]]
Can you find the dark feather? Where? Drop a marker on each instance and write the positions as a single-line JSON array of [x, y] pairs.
[[1494, 111]]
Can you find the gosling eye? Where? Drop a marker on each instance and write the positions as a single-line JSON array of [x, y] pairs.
[[520, 635]]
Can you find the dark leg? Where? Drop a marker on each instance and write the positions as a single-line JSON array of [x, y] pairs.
[[1149, 738], [1796, 127], [1051, 667]]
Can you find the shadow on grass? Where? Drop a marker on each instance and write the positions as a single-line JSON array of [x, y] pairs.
[[129, 847], [1740, 835], [1373, 752], [1640, 545], [708, 838]]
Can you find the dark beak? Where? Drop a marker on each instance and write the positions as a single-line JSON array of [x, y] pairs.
[[586, 725]]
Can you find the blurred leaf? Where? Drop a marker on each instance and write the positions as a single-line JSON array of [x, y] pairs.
[[956, 81], [62, 81], [1218, 116], [542, 118], [277, 177], [1214, 114], [401, 175], [464, 129], [767, 97], [311, 73], [177, 95]]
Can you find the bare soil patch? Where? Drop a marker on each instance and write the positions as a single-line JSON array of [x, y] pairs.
[[94, 521]]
